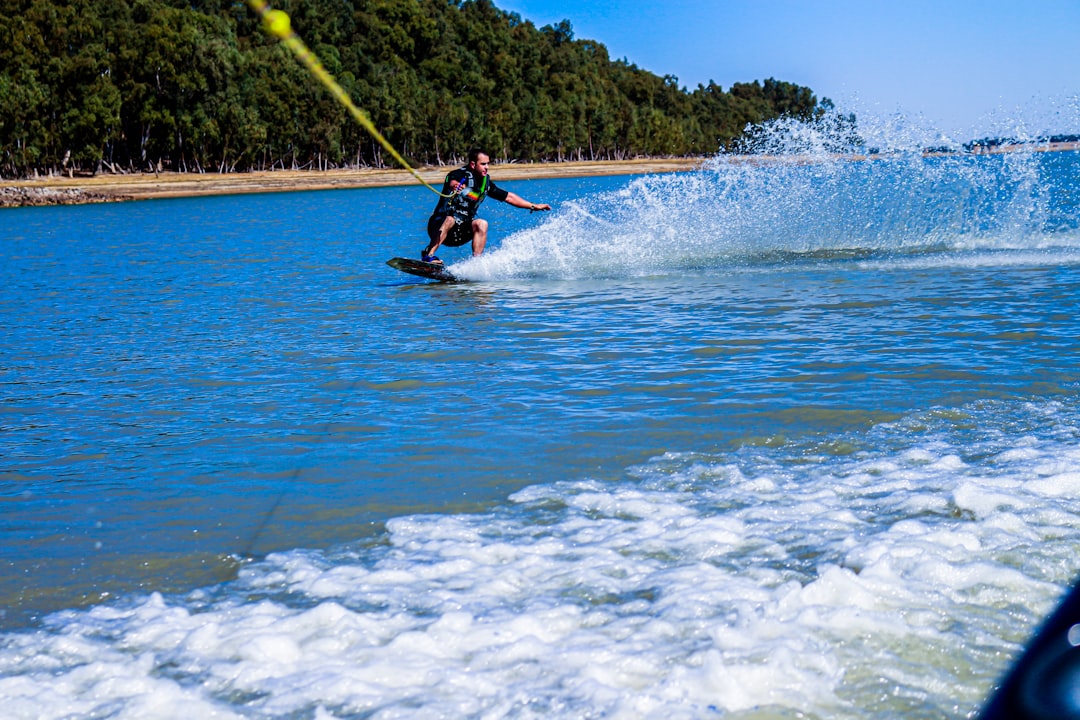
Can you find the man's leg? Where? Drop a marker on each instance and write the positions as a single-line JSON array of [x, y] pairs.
[[444, 231], [479, 236]]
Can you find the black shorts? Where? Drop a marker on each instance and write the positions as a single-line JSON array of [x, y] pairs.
[[460, 234]]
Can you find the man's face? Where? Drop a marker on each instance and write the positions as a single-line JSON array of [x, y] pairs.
[[480, 164]]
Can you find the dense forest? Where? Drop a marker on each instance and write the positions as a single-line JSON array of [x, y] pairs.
[[196, 85]]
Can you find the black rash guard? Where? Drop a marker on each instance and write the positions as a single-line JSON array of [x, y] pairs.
[[472, 189]]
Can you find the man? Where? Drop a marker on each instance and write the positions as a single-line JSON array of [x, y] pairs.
[[454, 221]]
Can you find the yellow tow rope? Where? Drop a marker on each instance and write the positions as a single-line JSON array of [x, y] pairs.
[[277, 23]]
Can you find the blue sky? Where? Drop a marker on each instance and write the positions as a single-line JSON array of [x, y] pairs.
[[960, 67]]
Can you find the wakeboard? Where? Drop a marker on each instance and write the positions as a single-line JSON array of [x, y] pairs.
[[431, 271]]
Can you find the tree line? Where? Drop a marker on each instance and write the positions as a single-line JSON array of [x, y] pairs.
[[197, 85]]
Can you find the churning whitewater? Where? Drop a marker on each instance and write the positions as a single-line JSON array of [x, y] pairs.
[[871, 575]]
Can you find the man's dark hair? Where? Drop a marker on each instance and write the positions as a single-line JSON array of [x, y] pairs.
[[474, 154]]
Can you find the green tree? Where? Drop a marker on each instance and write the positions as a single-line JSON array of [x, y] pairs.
[[198, 85]]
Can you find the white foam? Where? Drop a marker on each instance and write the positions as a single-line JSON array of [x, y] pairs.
[[688, 588], [1060, 485]]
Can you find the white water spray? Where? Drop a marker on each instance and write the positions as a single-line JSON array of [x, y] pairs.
[[798, 198]]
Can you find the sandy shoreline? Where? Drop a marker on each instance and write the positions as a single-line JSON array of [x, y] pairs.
[[144, 186]]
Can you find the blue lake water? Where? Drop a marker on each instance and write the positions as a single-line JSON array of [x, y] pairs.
[[746, 442]]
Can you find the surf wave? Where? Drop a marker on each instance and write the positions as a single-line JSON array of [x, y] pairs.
[[799, 200]]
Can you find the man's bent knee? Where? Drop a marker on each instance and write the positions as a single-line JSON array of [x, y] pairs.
[[479, 239]]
